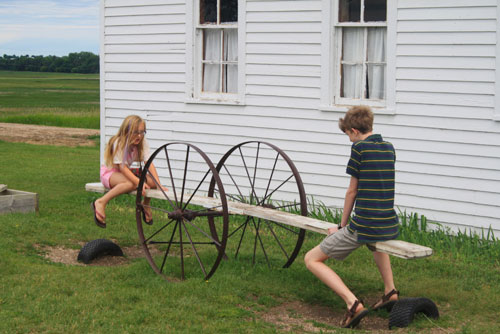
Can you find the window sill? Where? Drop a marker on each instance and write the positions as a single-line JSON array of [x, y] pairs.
[[214, 101], [341, 108]]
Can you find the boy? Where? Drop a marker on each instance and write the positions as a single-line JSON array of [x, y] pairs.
[[371, 189]]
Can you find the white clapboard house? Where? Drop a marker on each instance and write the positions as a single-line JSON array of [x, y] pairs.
[[218, 72]]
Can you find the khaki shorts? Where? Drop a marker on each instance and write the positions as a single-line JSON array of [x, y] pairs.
[[341, 243]]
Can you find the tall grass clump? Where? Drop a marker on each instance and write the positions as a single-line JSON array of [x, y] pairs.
[[415, 228], [463, 244]]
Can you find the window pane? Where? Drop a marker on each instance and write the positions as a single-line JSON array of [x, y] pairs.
[[208, 11], [228, 11], [231, 78], [349, 10], [230, 45], [211, 78], [351, 81], [352, 44], [375, 10], [375, 82], [211, 45], [376, 44]]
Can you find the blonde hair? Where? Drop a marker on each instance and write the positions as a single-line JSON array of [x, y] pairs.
[[359, 118], [123, 139]]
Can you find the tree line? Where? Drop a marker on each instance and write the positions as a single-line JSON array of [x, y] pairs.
[[78, 62]]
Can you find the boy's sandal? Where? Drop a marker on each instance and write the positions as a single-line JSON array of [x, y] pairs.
[[385, 302], [352, 318], [97, 213], [144, 217]]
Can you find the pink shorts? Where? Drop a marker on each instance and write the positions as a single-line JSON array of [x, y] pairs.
[[106, 175]]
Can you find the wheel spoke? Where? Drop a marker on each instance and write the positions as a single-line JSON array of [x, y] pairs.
[[171, 178], [236, 230], [168, 248], [195, 190], [276, 189], [294, 204], [161, 229], [284, 227], [194, 249], [252, 193], [234, 182], [255, 172], [271, 176], [257, 236], [277, 240], [182, 251], [159, 186], [242, 235], [204, 233], [185, 175]]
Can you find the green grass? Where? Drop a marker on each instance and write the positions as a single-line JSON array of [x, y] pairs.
[[57, 99], [39, 296]]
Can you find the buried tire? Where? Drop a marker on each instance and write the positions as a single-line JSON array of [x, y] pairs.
[[403, 312], [96, 248]]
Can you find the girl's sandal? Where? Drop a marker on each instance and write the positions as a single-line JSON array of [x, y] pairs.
[[385, 301], [150, 222], [352, 318]]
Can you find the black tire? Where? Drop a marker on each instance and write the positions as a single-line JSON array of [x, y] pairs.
[[96, 248], [403, 312]]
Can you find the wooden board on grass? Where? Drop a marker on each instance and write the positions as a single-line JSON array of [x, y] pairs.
[[397, 248]]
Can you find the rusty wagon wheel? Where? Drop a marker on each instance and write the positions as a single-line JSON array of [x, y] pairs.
[[261, 174], [181, 235]]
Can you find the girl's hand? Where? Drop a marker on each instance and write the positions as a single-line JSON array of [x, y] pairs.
[[144, 187]]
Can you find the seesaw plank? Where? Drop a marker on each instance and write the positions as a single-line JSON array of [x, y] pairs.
[[399, 248]]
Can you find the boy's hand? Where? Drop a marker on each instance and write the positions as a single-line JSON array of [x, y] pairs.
[[332, 230]]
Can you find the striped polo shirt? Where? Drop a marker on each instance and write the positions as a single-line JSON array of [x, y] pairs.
[[372, 163]]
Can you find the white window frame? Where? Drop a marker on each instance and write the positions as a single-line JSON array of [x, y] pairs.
[[194, 39], [331, 55]]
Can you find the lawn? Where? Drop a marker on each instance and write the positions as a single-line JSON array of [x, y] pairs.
[[40, 296], [58, 99]]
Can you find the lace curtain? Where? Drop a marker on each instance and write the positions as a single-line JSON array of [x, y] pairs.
[[354, 57], [220, 69]]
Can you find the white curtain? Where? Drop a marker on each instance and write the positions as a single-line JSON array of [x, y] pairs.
[[376, 54], [211, 71], [231, 55], [352, 62]]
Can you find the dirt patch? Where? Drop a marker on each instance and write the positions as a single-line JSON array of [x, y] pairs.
[[47, 135], [299, 317], [69, 256]]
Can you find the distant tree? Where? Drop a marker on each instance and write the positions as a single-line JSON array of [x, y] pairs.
[[78, 62]]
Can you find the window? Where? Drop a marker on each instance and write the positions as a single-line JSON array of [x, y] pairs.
[[361, 39], [216, 63]]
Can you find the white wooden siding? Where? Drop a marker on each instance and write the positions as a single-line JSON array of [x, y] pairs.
[[448, 145]]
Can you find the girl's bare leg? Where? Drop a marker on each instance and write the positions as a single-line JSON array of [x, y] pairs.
[[120, 184], [147, 210], [314, 260]]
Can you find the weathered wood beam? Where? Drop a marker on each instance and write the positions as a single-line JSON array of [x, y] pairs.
[[397, 248]]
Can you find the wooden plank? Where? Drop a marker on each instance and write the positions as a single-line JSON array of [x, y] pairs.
[[3, 187], [397, 248], [18, 201]]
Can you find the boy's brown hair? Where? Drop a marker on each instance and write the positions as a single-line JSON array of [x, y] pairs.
[[359, 118]]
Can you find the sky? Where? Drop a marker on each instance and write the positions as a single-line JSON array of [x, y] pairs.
[[48, 27]]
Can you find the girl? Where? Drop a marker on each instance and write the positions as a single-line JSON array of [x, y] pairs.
[[127, 146]]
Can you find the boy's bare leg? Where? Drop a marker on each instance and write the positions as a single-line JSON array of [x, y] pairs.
[[314, 260], [384, 267]]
